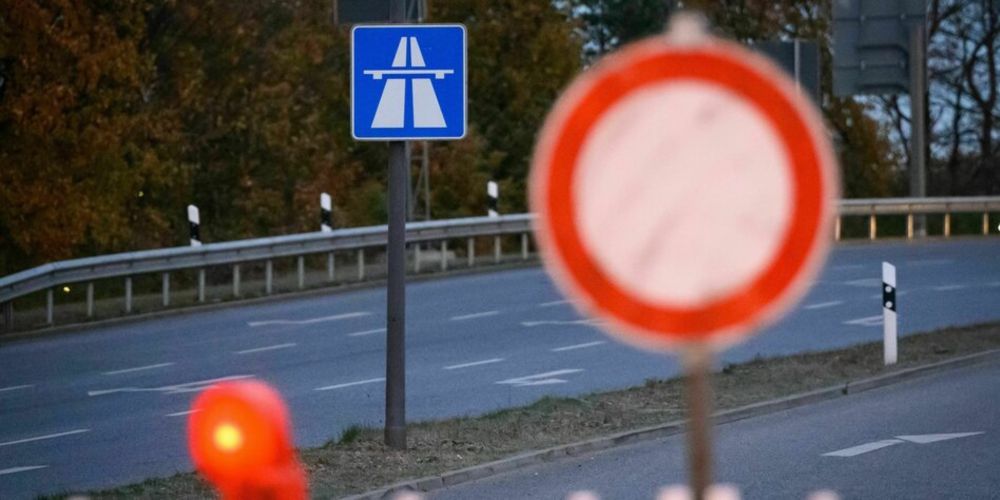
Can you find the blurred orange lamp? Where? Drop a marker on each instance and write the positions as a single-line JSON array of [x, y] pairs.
[[240, 440]]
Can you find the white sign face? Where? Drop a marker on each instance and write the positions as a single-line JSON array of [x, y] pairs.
[[694, 165]]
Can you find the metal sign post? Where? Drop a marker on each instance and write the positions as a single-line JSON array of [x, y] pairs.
[[395, 347], [918, 120], [408, 82], [697, 363]]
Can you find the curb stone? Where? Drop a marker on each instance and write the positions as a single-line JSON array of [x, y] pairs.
[[523, 460]]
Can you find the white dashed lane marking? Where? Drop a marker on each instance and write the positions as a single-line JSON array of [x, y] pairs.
[[350, 384], [47, 436], [948, 288], [138, 369], [474, 363], [307, 321], [553, 303], [475, 315], [268, 348], [530, 324], [366, 332], [578, 346], [15, 470], [823, 305], [16, 387], [181, 413], [866, 321]]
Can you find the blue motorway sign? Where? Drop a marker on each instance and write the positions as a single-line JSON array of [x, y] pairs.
[[408, 82]]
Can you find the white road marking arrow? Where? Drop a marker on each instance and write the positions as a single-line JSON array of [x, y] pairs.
[[863, 448], [546, 378], [878, 445], [170, 389], [933, 438]]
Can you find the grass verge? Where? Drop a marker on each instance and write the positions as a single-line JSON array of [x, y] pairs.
[[358, 461]]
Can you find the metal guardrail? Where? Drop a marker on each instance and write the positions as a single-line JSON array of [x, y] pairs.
[[167, 260], [234, 253], [917, 206]]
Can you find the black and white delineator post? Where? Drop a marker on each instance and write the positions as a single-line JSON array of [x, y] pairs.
[[325, 213], [492, 198], [326, 226], [194, 221], [194, 224], [889, 312]]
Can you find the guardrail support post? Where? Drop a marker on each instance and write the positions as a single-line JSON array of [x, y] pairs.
[[361, 264], [872, 228], [330, 270], [201, 285], [49, 306], [236, 280], [947, 224], [524, 246], [471, 251], [90, 299], [268, 277], [836, 229], [166, 289], [444, 255], [128, 294], [496, 249], [416, 258], [7, 308], [302, 272], [909, 226]]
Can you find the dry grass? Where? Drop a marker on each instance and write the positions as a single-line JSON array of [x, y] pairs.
[[359, 461]]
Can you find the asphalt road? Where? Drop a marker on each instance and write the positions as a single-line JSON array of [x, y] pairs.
[[932, 437], [105, 407]]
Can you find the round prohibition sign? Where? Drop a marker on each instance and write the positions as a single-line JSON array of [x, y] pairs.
[[684, 192]]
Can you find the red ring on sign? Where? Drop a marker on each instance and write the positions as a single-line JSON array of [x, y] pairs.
[[807, 181]]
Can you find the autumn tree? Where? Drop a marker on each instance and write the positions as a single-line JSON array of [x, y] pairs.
[[522, 53], [81, 163]]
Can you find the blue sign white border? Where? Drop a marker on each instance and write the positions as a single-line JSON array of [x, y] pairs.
[[465, 81]]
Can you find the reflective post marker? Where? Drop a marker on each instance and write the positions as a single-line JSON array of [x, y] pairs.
[[492, 199], [325, 213], [889, 312], [326, 226], [194, 225]]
